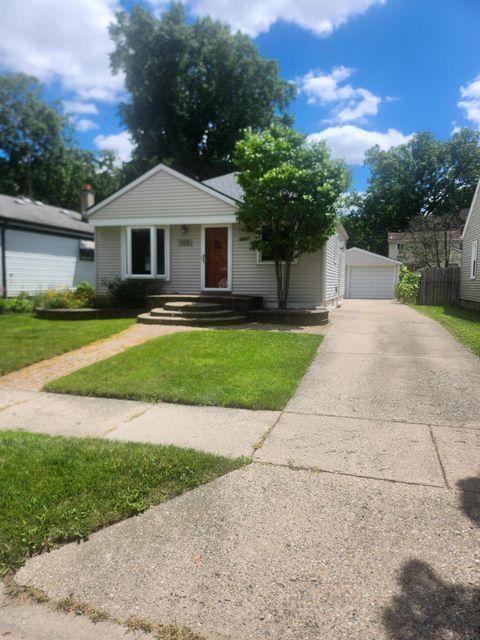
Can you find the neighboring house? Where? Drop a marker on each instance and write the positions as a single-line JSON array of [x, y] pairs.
[[399, 247], [470, 272], [370, 275], [183, 237], [43, 247]]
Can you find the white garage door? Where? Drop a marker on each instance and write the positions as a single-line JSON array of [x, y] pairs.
[[371, 282]]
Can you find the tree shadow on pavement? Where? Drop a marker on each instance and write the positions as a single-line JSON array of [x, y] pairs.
[[428, 608]]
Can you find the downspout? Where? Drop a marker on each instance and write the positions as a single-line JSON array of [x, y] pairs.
[[4, 262]]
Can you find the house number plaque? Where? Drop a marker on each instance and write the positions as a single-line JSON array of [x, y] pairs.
[[185, 242]]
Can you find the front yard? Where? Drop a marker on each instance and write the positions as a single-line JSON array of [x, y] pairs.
[[56, 490], [26, 339], [463, 324], [235, 368]]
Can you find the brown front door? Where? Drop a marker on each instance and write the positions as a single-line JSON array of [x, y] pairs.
[[216, 258]]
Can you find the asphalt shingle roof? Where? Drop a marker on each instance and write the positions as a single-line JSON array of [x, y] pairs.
[[11, 208], [227, 185]]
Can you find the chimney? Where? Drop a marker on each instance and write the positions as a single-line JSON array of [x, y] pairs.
[[87, 199]]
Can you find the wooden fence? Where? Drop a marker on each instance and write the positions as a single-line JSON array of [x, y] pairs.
[[439, 285]]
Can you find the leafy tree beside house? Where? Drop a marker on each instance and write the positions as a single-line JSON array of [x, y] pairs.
[[292, 190], [194, 87], [424, 178], [39, 157]]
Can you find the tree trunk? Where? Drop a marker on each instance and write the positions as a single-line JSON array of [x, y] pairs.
[[282, 273]]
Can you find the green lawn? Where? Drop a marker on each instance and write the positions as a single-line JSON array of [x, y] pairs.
[[55, 490], [251, 369], [26, 339], [464, 324]]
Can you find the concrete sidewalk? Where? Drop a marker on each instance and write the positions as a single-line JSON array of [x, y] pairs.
[[229, 432], [359, 518]]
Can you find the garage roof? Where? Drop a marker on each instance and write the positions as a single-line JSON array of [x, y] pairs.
[[355, 256]]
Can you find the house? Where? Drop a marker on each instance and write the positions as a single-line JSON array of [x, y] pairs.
[[370, 275], [469, 271], [400, 247], [183, 237], [43, 247]]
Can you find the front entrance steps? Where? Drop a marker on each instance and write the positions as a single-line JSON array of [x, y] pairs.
[[199, 309], [192, 314]]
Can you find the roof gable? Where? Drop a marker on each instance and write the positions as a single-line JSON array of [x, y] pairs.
[[472, 206], [154, 180], [357, 256]]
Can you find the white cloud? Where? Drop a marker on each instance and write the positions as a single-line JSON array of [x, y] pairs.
[[84, 124], [65, 40], [350, 143], [76, 106], [257, 16], [350, 103], [470, 102], [121, 143]]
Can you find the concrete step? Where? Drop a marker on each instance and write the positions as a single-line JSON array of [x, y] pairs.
[[147, 318], [239, 302], [192, 307], [217, 313]]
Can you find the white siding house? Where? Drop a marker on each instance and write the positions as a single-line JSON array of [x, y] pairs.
[[42, 247], [470, 271], [188, 241]]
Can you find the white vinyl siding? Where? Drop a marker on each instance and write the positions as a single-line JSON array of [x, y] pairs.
[[334, 270], [469, 287], [166, 195], [37, 262], [253, 278], [108, 249]]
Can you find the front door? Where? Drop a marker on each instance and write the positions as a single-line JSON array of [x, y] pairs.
[[216, 258]]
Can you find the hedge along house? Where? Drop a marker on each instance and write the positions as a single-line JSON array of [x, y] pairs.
[[469, 270], [44, 247], [183, 237]]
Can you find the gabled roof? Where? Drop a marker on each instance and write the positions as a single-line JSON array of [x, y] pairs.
[[377, 256], [476, 195], [28, 213], [162, 167], [226, 184]]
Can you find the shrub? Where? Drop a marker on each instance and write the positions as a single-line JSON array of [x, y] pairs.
[[83, 296], [407, 286], [21, 304], [130, 294]]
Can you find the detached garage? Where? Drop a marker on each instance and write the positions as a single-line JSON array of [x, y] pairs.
[[370, 275]]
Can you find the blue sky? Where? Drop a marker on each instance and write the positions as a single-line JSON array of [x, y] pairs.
[[368, 71]]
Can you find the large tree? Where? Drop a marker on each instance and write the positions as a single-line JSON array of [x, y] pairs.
[[292, 190], [422, 178], [194, 87], [38, 154]]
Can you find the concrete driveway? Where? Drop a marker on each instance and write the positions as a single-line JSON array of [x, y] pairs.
[[359, 518]]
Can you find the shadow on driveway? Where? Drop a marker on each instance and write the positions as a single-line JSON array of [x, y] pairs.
[[428, 608]]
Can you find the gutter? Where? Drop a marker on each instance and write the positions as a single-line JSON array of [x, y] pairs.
[[4, 261]]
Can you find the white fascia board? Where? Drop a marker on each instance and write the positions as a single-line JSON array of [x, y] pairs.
[[341, 230], [152, 172], [163, 220], [377, 255], [477, 194]]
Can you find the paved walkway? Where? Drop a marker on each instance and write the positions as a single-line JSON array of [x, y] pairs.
[[359, 519], [36, 376]]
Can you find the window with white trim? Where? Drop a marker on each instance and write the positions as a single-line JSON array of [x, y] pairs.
[[148, 252], [474, 260]]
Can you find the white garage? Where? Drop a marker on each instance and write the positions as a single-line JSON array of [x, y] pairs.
[[370, 275]]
